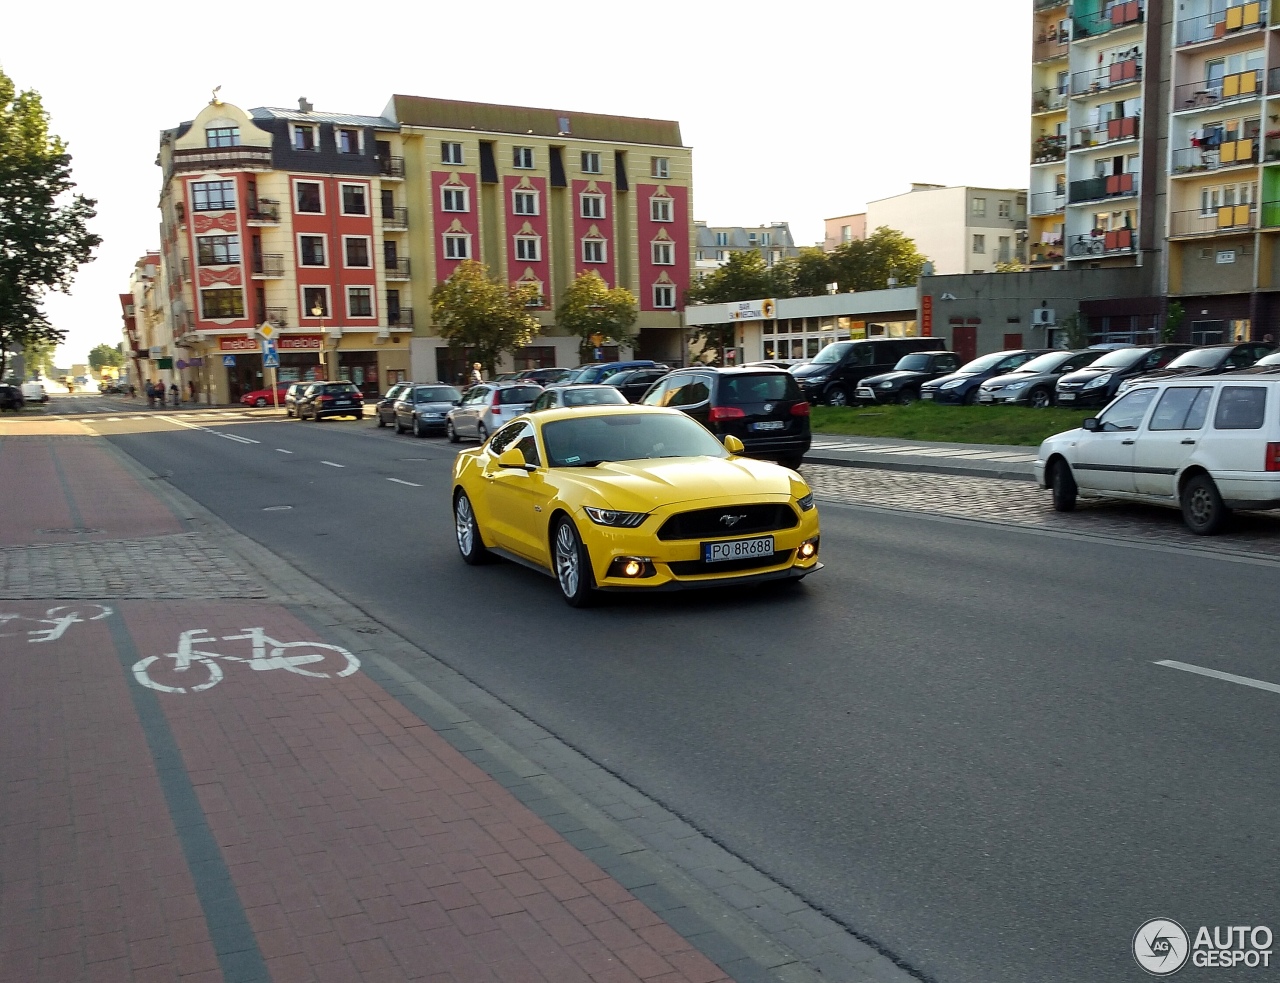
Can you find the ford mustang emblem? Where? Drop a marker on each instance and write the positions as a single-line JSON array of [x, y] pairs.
[[731, 520]]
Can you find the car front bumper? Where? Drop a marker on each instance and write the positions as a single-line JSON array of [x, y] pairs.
[[1083, 397]]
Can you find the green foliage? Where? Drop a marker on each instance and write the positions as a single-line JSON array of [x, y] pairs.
[[1013, 266], [1173, 320], [1019, 425], [472, 311], [106, 355], [590, 310], [867, 264], [44, 236], [805, 275], [37, 357], [1075, 330], [744, 276]]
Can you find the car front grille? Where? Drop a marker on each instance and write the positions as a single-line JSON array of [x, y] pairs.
[[1070, 387], [707, 524], [694, 568]]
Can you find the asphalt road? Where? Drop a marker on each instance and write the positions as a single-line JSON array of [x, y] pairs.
[[954, 739]]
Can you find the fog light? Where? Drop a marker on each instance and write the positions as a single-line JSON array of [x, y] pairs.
[[631, 567], [808, 550]]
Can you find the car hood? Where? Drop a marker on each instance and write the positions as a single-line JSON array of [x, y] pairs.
[[903, 375], [1167, 373], [641, 486], [1004, 380], [435, 407], [937, 383], [810, 370]]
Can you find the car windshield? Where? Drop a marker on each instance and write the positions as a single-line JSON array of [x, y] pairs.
[[1121, 358], [913, 363], [340, 388], [514, 395], [832, 353], [1045, 363], [758, 387], [1199, 358], [1272, 359], [586, 441], [437, 394], [582, 373], [591, 396], [983, 363]]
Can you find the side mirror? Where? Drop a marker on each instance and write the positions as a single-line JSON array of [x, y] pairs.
[[1090, 424], [732, 444], [512, 457], [457, 402]]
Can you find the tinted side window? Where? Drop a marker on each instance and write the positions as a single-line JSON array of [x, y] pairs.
[[861, 355], [1181, 409], [658, 395], [696, 389], [1240, 408], [1012, 362], [946, 363], [506, 436], [1126, 413], [1241, 357], [518, 394], [528, 446], [758, 388]]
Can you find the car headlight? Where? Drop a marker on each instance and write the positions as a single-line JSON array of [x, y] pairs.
[[886, 385], [816, 379], [1101, 380], [1013, 387], [952, 384], [806, 503], [612, 517]]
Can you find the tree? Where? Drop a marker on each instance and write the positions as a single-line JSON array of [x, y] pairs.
[[805, 275], [596, 313], [1010, 266], [744, 276], [472, 311], [868, 264], [1173, 318], [106, 355], [44, 235]]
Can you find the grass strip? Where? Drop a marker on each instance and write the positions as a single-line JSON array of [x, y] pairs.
[[1017, 425]]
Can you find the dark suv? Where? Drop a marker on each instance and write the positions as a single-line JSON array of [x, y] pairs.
[[1209, 360], [10, 397], [764, 408], [1098, 382], [902, 385], [321, 399], [833, 375], [593, 372], [634, 383]]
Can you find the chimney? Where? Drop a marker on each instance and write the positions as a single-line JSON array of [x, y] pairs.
[[303, 105]]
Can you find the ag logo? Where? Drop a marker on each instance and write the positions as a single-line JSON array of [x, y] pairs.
[[1161, 946]]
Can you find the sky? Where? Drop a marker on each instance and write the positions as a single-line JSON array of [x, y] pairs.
[[795, 111]]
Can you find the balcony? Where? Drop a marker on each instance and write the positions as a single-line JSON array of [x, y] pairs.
[[395, 217], [264, 212], [1048, 149], [1048, 101], [1046, 202], [1270, 215], [275, 316], [1110, 131], [1226, 218], [1211, 93], [402, 318], [1050, 46], [1099, 243], [391, 166], [1050, 4], [1128, 71], [1116, 17], [398, 269], [268, 266], [222, 158], [1230, 153], [1240, 18], [1103, 188]]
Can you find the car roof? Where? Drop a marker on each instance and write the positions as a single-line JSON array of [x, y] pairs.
[[734, 369], [578, 385], [610, 409], [510, 384]]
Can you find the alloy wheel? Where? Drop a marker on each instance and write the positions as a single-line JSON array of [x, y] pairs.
[[568, 565]]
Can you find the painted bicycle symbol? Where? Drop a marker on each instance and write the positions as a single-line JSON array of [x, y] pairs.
[[316, 659], [55, 622]]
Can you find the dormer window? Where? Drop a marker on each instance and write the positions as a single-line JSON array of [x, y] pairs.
[[222, 136], [304, 138]]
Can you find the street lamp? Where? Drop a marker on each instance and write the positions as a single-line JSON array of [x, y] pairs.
[[317, 310]]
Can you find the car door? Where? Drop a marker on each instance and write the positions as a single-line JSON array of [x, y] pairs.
[[516, 497], [694, 397], [468, 416], [1169, 439], [1102, 459]]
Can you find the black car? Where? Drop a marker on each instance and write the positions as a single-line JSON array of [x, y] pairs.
[[634, 383], [764, 408], [422, 409], [833, 375], [1209, 360], [544, 377], [385, 408], [1098, 382], [961, 386], [902, 385], [11, 397], [1267, 365], [321, 399]]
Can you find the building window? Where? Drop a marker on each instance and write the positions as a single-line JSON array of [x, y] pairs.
[[659, 167], [221, 304], [357, 249], [309, 197], [719, 255], [722, 238], [522, 157], [213, 196], [664, 295], [312, 250], [217, 250], [660, 209], [593, 251], [979, 244], [359, 301], [590, 162], [222, 136], [315, 299], [524, 202], [1005, 254], [663, 254], [353, 200], [527, 250], [979, 207], [592, 206], [766, 238], [453, 199], [1006, 208], [304, 138], [846, 233], [457, 247], [451, 153]]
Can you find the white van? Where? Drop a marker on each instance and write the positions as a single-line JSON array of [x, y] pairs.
[[35, 392], [1206, 445]]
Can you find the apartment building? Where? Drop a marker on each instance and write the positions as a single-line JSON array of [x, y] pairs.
[[716, 243], [335, 229], [843, 228]]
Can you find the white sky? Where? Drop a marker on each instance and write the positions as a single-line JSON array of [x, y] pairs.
[[795, 111]]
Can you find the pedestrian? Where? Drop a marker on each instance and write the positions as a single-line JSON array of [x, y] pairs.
[[477, 376], [191, 390], [174, 393], [133, 391], [1268, 339], [151, 395]]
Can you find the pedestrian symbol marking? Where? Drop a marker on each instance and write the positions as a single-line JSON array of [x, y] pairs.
[[228, 360]]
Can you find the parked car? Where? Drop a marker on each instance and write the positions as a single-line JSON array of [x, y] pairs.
[[962, 385], [600, 371], [35, 392], [292, 395], [321, 399], [506, 377], [634, 383], [11, 397], [833, 375], [1097, 383], [764, 408], [1265, 365], [1204, 444], [423, 409], [264, 397], [776, 363], [385, 408], [571, 394], [902, 385], [544, 377], [1209, 360], [486, 407], [1033, 382]]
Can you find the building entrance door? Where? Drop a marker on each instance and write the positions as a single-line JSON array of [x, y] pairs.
[[964, 341]]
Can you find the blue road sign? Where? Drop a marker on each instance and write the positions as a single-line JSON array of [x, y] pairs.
[[228, 360], [270, 357]]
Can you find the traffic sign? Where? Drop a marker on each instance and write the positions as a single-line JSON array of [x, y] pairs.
[[270, 361], [267, 330], [228, 360]]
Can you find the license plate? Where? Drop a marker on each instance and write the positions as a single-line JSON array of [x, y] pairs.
[[737, 549], [768, 425], [986, 398], [926, 395], [1066, 397], [342, 402]]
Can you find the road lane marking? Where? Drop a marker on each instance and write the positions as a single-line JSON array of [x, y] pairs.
[[409, 483], [1225, 676], [332, 465], [281, 450], [236, 437]]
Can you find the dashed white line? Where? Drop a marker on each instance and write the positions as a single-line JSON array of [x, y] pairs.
[[1224, 676], [281, 450], [332, 465], [236, 437], [409, 483]]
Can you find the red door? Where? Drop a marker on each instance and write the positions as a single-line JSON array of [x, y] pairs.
[[964, 340], [1012, 342]]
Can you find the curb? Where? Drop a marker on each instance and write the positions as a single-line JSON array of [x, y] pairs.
[[974, 472]]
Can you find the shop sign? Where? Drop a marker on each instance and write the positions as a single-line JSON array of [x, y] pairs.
[[237, 344], [299, 342], [751, 310], [926, 316]]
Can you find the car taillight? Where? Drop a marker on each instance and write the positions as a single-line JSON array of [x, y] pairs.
[[326, 399], [726, 413], [495, 399], [1273, 457], [800, 409]]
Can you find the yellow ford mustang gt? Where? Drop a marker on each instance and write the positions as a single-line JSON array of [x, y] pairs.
[[631, 497]]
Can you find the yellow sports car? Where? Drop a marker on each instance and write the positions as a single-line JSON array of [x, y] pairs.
[[627, 497]]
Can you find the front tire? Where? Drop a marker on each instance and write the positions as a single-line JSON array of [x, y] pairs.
[[399, 427], [482, 432], [259, 402], [417, 429], [793, 462], [1202, 508], [907, 397], [1040, 398], [470, 543], [381, 421], [572, 565], [450, 432], [836, 396], [1063, 483]]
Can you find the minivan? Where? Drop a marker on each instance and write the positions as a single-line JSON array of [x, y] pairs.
[[833, 375]]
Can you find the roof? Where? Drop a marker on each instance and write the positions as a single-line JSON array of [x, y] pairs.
[[338, 119], [454, 115]]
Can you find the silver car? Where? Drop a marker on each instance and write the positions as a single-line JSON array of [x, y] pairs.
[[486, 407], [422, 409], [571, 394], [1032, 383]]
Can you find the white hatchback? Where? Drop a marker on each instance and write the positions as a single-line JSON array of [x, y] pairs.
[[1204, 445]]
